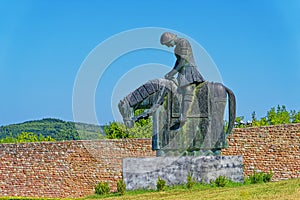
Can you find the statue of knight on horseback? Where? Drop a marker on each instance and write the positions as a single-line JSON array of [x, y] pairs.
[[188, 74], [187, 113]]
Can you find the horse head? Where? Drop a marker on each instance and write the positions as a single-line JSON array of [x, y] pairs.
[[126, 112], [150, 95]]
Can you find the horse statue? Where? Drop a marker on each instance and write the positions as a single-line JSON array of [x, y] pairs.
[[203, 133]]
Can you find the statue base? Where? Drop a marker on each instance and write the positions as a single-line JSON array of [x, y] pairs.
[[178, 152], [143, 173]]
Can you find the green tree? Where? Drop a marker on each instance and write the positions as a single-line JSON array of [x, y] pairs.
[[46, 139], [142, 122], [281, 116], [141, 131], [8, 139], [57, 129], [238, 121], [255, 122], [116, 130], [142, 128], [295, 116], [263, 122], [25, 137], [272, 116]]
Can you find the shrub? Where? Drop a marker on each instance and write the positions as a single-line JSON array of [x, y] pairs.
[[121, 187], [256, 178], [260, 177], [221, 181], [247, 181], [102, 188], [268, 176], [190, 181], [160, 184]]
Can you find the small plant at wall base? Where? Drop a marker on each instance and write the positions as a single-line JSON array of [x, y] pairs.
[[268, 176], [190, 181], [160, 184], [102, 188], [221, 181], [121, 187], [260, 177]]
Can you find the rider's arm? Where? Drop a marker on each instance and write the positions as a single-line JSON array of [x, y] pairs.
[[171, 73], [182, 53]]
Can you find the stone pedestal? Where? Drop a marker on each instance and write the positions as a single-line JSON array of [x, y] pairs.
[[141, 173]]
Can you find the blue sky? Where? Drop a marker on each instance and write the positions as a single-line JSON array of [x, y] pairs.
[[255, 45]]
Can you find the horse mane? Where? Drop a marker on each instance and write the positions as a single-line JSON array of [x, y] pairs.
[[148, 89]]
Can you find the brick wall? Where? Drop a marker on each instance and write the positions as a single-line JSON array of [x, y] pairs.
[[275, 148], [65, 169], [72, 168]]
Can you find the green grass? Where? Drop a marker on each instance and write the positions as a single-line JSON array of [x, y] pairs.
[[36, 198], [289, 189]]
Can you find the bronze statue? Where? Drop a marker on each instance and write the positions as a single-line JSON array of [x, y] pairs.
[[187, 114], [188, 74]]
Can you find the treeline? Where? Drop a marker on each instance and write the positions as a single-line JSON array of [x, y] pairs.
[[143, 128], [53, 128], [280, 115], [50, 129], [26, 137]]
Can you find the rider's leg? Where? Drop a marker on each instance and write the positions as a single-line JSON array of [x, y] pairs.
[[187, 98]]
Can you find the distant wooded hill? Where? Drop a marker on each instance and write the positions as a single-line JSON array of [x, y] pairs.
[[55, 128]]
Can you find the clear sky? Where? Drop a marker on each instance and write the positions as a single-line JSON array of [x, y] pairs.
[[255, 45]]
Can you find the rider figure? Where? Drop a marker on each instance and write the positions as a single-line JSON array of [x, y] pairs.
[[188, 74]]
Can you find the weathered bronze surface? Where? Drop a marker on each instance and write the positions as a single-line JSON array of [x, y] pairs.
[[187, 113], [203, 132]]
